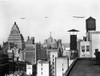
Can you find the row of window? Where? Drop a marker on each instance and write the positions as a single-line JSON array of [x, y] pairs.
[[87, 48], [52, 71], [41, 69]]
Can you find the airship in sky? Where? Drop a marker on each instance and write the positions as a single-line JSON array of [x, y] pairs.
[[78, 16]]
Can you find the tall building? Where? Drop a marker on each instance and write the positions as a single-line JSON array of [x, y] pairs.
[[43, 68], [29, 69], [53, 56], [32, 51], [62, 64], [4, 64], [16, 37]]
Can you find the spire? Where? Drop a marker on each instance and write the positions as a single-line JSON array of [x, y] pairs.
[[14, 23], [15, 27], [50, 34]]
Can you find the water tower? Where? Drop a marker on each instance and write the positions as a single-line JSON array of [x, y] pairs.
[[90, 24]]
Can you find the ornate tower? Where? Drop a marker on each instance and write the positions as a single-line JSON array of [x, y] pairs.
[[16, 37]]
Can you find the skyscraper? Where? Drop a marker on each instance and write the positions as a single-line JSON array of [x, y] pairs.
[[16, 37], [32, 51]]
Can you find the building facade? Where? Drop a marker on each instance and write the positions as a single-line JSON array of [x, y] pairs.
[[4, 64], [29, 69], [32, 52], [91, 43], [43, 68], [53, 56], [62, 64], [85, 49], [94, 38]]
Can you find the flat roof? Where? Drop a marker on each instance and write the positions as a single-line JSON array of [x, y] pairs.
[[85, 67], [43, 61], [94, 32], [62, 57]]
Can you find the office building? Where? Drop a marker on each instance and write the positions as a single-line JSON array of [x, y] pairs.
[[29, 69], [43, 68], [32, 52], [53, 56], [4, 64], [62, 64], [16, 37]]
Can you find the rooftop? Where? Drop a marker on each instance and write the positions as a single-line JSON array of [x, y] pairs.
[[84, 67], [43, 61], [62, 57]]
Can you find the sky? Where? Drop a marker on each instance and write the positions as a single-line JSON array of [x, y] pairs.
[[45, 16]]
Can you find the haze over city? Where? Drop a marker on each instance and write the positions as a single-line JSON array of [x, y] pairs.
[[40, 17]]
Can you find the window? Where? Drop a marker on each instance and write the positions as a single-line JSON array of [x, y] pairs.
[[53, 56], [87, 48], [52, 59], [53, 67], [62, 64], [41, 73], [83, 48], [41, 64], [41, 68], [52, 63], [62, 69], [53, 72]]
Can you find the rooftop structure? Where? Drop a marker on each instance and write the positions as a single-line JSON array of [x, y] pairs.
[[43, 68], [90, 24]]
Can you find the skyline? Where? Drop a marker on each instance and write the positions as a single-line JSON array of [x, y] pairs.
[[38, 18]]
